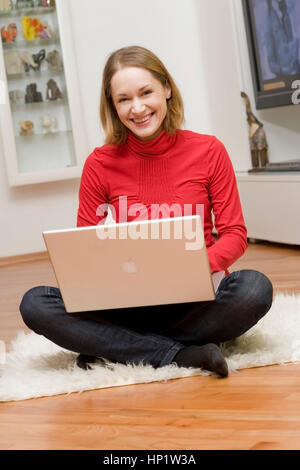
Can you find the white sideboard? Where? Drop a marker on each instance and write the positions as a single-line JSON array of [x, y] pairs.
[[271, 205]]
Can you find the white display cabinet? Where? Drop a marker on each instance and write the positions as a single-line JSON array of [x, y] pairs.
[[42, 131]]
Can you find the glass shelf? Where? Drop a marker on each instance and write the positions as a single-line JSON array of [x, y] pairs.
[[40, 136], [38, 104], [44, 152], [16, 45], [15, 12], [35, 74]]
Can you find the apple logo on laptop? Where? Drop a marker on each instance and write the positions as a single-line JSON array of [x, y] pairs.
[[129, 266]]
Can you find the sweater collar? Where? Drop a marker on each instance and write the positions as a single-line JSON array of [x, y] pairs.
[[151, 148]]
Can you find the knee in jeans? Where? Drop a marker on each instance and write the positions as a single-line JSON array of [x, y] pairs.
[[260, 292], [265, 291], [29, 306]]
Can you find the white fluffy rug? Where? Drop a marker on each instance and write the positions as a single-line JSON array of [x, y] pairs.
[[35, 367]]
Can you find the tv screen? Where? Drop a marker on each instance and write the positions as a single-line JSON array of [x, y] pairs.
[[273, 34]]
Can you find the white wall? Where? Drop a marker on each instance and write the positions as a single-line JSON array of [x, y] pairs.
[[170, 28], [197, 42], [221, 71]]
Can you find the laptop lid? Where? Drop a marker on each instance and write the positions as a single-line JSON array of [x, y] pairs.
[[148, 262]]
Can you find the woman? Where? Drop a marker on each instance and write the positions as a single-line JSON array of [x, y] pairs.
[[149, 160]]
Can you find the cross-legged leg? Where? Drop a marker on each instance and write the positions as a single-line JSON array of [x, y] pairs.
[[242, 299], [94, 333]]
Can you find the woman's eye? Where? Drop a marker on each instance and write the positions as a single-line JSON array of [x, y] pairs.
[[147, 92]]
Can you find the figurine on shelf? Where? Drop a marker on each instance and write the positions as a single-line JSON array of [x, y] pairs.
[[5, 5], [47, 3], [257, 139], [32, 95], [18, 61], [24, 4], [26, 128], [9, 33], [48, 123], [38, 58], [53, 92], [27, 60], [54, 60], [33, 28], [13, 63], [17, 96], [47, 32]]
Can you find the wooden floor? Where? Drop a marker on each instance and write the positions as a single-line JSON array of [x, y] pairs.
[[251, 409]]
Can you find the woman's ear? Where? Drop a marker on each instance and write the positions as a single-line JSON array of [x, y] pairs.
[[168, 91]]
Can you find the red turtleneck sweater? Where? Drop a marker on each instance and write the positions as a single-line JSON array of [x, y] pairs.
[[183, 169]]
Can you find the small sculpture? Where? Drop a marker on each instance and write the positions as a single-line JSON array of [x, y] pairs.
[[48, 123], [13, 63], [257, 138], [33, 28], [26, 128], [47, 32], [24, 4], [47, 3], [5, 5], [53, 92], [16, 96], [18, 61], [27, 60], [9, 33], [32, 95], [38, 58], [54, 60]]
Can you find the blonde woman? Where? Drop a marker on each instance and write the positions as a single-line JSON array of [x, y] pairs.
[[149, 160]]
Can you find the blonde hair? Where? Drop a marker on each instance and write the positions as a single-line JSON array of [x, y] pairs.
[[136, 56]]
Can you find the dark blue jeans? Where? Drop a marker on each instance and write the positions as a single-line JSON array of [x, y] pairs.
[[153, 334]]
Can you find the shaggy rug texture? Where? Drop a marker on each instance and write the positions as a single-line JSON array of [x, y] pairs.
[[35, 367]]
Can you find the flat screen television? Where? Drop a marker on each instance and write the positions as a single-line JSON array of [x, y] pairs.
[[273, 35]]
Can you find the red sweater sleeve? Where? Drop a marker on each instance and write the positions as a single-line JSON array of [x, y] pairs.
[[93, 200], [226, 205]]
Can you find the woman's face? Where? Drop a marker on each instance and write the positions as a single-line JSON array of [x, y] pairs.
[[140, 101]]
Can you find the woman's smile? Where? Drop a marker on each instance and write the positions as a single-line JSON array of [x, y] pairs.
[[143, 121]]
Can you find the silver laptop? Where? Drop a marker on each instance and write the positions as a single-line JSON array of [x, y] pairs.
[[133, 264]]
